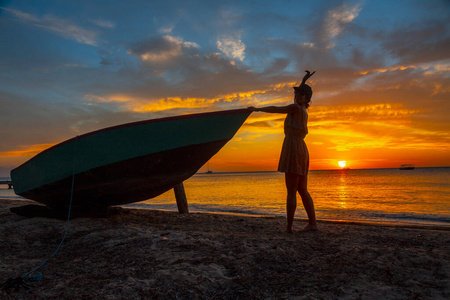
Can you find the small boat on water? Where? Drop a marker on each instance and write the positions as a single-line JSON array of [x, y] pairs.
[[407, 167], [209, 171], [125, 163]]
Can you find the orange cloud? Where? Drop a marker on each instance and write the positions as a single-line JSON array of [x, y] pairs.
[[269, 96], [381, 126], [29, 150], [389, 69]]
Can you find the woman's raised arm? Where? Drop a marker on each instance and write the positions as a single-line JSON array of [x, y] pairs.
[[292, 108]]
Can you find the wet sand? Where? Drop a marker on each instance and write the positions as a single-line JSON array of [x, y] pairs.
[[147, 254]]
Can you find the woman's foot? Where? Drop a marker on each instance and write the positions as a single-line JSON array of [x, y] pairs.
[[290, 229], [311, 227]]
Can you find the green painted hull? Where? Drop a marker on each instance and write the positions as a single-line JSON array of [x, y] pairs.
[[126, 163]]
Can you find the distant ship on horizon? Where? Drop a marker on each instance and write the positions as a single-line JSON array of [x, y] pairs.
[[209, 170], [407, 167]]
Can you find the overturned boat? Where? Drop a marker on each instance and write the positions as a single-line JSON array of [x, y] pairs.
[[125, 163]]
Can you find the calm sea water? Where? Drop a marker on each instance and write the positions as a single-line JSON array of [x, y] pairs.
[[420, 196]]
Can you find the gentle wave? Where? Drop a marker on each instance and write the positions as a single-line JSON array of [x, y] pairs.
[[414, 218]]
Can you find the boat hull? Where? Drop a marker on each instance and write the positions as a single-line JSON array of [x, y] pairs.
[[168, 159], [127, 181]]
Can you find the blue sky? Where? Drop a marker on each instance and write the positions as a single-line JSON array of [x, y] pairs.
[[69, 67]]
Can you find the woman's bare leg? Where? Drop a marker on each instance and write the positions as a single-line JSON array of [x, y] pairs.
[[307, 203], [292, 181]]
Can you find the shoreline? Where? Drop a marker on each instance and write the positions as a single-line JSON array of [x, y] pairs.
[[143, 254], [412, 224], [324, 221], [331, 221]]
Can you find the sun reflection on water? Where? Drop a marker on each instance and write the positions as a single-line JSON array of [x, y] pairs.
[[381, 194], [343, 191]]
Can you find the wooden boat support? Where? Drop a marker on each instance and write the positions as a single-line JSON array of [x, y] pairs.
[[8, 182], [180, 196]]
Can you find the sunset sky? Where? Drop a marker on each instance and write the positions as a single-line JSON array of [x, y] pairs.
[[381, 88]]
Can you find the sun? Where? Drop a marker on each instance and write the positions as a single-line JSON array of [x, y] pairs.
[[342, 163]]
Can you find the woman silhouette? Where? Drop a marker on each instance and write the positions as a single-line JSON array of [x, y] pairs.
[[294, 158]]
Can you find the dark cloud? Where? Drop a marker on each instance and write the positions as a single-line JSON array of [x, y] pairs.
[[277, 66], [164, 52], [157, 46], [419, 43]]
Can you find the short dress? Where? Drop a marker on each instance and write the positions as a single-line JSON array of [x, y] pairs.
[[294, 156]]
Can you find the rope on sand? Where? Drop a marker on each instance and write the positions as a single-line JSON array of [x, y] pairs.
[[17, 282]]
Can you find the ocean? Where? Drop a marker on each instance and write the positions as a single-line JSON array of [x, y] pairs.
[[420, 196]]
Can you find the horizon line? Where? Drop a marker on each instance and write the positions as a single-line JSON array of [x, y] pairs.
[[341, 169]]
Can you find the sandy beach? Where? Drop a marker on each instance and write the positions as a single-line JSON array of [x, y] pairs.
[[147, 254]]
